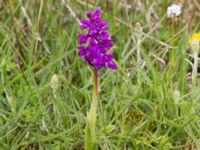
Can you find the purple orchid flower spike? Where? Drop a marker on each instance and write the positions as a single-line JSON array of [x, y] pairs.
[[94, 46]]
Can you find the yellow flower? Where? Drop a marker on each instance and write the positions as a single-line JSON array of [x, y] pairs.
[[194, 36]]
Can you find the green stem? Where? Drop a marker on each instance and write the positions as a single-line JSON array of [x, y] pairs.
[[90, 134], [194, 70], [138, 59], [96, 83], [172, 63]]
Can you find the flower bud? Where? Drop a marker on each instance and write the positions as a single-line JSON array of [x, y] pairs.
[[12, 102], [138, 27], [177, 96], [54, 82], [195, 45]]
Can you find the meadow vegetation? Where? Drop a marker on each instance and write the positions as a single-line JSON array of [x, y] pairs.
[[46, 89]]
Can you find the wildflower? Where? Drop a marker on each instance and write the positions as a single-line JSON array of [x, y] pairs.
[[194, 36], [174, 10], [95, 45]]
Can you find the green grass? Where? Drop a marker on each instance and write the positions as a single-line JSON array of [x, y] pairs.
[[137, 105]]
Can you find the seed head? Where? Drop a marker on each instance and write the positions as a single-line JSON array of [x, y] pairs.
[[54, 82]]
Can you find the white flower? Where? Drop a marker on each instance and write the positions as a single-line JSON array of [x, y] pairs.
[[174, 10]]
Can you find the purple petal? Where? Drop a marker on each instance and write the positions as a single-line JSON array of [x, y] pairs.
[[97, 11], [112, 66], [108, 44], [89, 15], [102, 50], [108, 57], [87, 58], [96, 14], [104, 35], [81, 51], [82, 38], [104, 25], [84, 24]]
